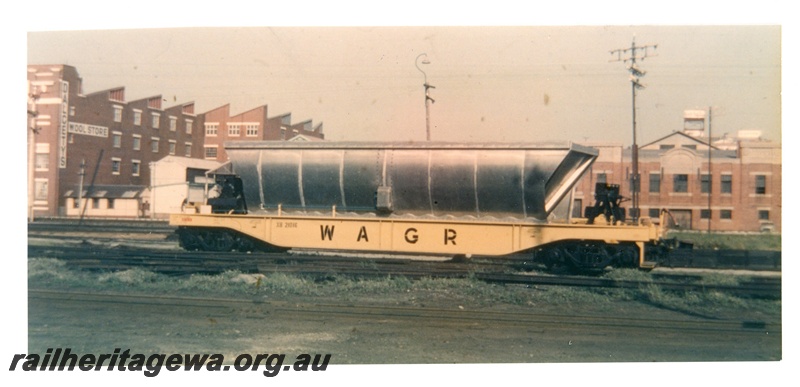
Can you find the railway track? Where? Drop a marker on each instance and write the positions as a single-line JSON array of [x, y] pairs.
[[359, 312], [101, 226], [178, 262]]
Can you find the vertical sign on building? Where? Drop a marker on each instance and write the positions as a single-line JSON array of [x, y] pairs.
[[63, 125]]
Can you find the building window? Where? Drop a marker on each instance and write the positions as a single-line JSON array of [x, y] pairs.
[[666, 147], [115, 165], [187, 149], [726, 184], [137, 117], [705, 214], [761, 184], [40, 189], [156, 120], [763, 214], [251, 130], [172, 147], [154, 144], [705, 183], [655, 183], [137, 142], [654, 212], [283, 133], [189, 124], [577, 208], [110, 203], [173, 123], [72, 111], [95, 203], [135, 166], [42, 161], [601, 177], [116, 138], [234, 129], [211, 129], [211, 152], [76, 203], [42, 158], [726, 214], [117, 113], [680, 183]]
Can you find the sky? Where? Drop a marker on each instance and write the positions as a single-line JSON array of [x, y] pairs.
[[492, 83]]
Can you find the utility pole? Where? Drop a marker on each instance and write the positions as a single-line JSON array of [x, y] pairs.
[[81, 174], [630, 56], [33, 96], [710, 176]]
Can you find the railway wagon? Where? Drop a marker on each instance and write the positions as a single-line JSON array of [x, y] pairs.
[[443, 199]]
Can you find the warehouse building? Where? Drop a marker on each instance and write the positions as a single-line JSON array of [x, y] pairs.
[[252, 125], [92, 154]]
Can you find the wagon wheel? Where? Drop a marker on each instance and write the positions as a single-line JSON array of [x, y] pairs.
[[588, 255], [554, 260], [189, 241], [245, 244], [214, 240], [627, 256]]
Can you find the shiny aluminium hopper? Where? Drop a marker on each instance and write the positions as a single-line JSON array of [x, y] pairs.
[[521, 181]]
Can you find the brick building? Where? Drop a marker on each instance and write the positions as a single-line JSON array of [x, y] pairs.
[[98, 140], [107, 145], [252, 125], [743, 192]]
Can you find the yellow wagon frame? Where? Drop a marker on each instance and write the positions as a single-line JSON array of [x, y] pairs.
[[447, 237]]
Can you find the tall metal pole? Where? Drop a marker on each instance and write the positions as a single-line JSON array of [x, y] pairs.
[[427, 95], [633, 54], [33, 96], [81, 174], [710, 175], [634, 160]]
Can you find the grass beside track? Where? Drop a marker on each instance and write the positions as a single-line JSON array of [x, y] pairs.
[[45, 273], [729, 241]]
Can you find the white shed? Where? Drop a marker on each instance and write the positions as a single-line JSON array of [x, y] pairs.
[[172, 179]]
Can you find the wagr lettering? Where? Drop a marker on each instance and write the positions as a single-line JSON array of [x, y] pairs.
[[411, 234]]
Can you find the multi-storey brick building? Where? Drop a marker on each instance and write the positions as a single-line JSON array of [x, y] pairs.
[[737, 189], [252, 125], [106, 145], [99, 141]]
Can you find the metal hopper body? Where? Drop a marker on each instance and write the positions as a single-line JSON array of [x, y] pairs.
[[522, 181]]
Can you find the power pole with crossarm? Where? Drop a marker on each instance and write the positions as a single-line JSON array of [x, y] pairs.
[[630, 56]]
